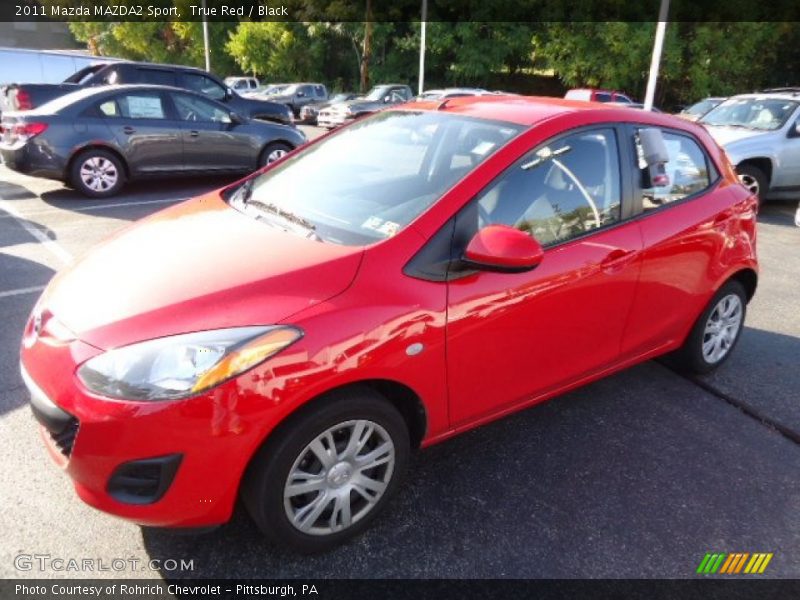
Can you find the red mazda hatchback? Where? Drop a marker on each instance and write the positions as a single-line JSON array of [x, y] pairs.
[[291, 338]]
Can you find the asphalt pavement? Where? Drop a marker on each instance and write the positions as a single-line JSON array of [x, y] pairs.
[[638, 475]]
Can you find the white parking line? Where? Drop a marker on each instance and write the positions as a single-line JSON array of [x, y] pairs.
[[44, 211], [54, 247], [20, 291]]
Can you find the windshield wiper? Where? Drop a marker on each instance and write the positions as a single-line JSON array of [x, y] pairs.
[[284, 214]]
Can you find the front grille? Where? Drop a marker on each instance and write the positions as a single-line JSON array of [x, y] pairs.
[[66, 438]]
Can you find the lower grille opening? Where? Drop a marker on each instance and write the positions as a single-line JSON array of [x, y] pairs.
[[143, 481], [65, 439]]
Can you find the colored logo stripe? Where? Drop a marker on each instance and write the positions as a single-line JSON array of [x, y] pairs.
[[733, 563]]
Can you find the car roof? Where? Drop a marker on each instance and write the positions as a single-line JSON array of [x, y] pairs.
[[776, 95], [89, 92], [530, 110]]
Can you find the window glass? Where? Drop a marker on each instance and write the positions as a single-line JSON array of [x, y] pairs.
[[687, 171], [602, 97], [559, 191], [204, 85], [751, 113], [156, 77], [109, 108], [320, 91], [141, 106], [191, 108], [374, 177]]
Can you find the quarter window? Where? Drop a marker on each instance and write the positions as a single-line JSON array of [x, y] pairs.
[[109, 108], [687, 172], [559, 191]]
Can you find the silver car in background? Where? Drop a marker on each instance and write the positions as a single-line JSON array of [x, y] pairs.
[[760, 133]]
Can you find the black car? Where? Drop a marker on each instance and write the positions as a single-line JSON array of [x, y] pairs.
[[308, 114], [97, 138], [26, 96]]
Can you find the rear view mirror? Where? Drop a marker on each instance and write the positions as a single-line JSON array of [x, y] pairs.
[[503, 248], [656, 156]]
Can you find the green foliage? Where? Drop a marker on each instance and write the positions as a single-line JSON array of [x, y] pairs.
[[277, 51]]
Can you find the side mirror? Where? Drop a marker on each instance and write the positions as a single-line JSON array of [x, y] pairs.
[[236, 118], [300, 94], [504, 249], [228, 93]]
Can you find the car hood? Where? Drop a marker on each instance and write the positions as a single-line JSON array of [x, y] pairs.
[[359, 105], [195, 266], [725, 135]]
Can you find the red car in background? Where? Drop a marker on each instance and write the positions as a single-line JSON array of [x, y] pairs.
[[596, 95], [291, 338]]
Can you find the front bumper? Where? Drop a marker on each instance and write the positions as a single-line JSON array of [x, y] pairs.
[[331, 120], [163, 464]]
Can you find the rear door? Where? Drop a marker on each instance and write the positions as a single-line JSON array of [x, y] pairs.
[[211, 141], [146, 130], [686, 228]]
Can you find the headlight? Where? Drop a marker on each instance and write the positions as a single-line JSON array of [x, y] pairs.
[[182, 365]]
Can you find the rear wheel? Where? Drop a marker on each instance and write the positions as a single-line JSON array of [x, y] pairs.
[[97, 173], [716, 332], [324, 477], [754, 179], [273, 152]]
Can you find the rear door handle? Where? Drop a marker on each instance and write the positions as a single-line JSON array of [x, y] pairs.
[[617, 259], [194, 133], [128, 129]]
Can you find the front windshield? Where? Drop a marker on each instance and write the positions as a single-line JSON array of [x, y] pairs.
[[370, 180], [751, 113], [376, 94], [340, 98], [702, 107]]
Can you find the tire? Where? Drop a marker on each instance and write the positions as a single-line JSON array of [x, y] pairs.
[[754, 179], [288, 455], [273, 152], [97, 173], [693, 356]]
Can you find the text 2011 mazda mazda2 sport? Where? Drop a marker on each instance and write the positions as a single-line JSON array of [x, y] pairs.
[[293, 337]]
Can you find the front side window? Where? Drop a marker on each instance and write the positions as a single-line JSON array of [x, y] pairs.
[[204, 85], [687, 171], [602, 97], [141, 106], [373, 178], [751, 113], [191, 108], [559, 191]]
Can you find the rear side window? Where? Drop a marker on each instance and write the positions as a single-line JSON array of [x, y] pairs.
[[156, 77], [559, 191], [602, 97], [688, 171], [141, 106]]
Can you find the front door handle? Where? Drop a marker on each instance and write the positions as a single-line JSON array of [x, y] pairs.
[[194, 133], [617, 259], [128, 130]]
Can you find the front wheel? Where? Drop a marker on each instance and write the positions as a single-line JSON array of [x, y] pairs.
[[716, 332], [754, 179], [324, 477]]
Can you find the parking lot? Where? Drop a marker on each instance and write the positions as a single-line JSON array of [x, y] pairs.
[[638, 475]]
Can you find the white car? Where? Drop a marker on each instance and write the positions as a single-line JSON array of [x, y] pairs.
[[760, 133], [242, 84]]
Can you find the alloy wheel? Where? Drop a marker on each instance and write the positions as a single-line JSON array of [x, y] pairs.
[[339, 477], [275, 155], [99, 174], [750, 182], [722, 328]]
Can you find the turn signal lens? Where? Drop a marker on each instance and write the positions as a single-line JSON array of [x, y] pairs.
[[247, 356]]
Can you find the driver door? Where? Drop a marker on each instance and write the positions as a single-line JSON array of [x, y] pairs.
[[514, 336]]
